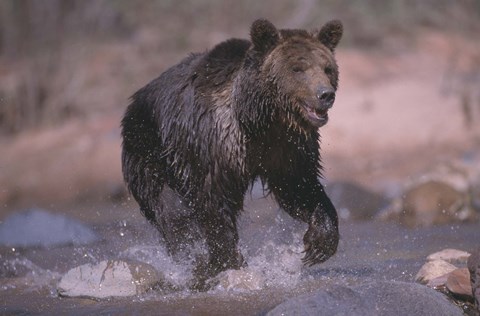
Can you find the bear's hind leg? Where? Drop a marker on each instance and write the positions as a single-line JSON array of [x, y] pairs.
[[220, 232], [177, 223]]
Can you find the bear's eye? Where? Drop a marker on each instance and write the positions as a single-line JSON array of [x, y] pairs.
[[329, 70], [297, 68]]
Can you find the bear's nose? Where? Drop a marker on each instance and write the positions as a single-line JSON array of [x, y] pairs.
[[326, 96]]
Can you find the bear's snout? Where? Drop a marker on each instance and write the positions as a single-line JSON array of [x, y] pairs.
[[316, 109], [326, 97]]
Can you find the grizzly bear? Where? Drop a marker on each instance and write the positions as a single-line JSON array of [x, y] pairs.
[[198, 136]]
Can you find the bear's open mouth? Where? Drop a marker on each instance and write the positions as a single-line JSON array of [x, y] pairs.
[[317, 117]]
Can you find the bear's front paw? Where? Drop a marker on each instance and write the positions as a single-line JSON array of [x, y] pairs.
[[320, 240]]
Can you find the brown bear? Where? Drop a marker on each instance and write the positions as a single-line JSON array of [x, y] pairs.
[[196, 138]]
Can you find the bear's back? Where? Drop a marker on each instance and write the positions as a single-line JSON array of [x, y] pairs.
[[218, 66], [203, 73]]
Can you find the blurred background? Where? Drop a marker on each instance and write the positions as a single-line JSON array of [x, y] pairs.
[[409, 92]]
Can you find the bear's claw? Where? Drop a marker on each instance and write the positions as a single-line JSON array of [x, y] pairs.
[[320, 240], [312, 258]]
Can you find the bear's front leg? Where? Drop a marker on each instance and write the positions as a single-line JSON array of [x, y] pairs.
[[321, 238], [302, 196]]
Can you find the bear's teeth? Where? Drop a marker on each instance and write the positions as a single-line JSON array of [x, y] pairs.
[[321, 113]]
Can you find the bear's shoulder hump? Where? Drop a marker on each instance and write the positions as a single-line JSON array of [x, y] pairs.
[[229, 51]]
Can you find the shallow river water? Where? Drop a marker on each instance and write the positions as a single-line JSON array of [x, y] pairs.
[[369, 251]]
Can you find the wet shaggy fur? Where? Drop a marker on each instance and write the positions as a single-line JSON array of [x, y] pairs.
[[196, 138]]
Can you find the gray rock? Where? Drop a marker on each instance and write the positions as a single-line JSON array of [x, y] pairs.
[[108, 279], [401, 298], [39, 228], [379, 298], [336, 300]]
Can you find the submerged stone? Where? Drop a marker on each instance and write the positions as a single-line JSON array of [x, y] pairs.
[[39, 228], [378, 298], [108, 278], [336, 300]]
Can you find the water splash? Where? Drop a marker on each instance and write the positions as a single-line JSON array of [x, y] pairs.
[[273, 256], [176, 274], [21, 272], [280, 264]]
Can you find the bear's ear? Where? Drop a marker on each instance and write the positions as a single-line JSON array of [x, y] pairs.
[[264, 35], [330, 34]]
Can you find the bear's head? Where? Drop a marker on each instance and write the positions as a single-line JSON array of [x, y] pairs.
[[300, 70]]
